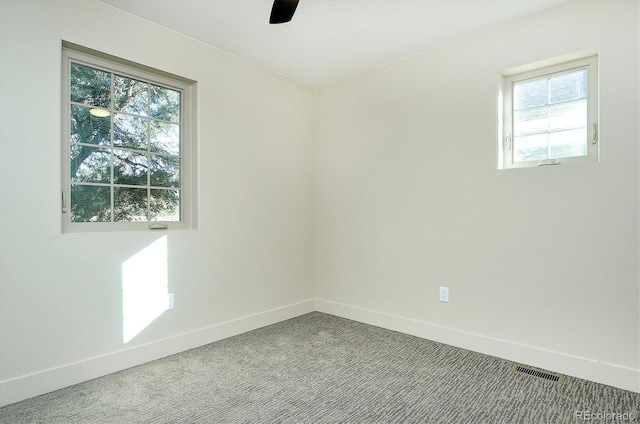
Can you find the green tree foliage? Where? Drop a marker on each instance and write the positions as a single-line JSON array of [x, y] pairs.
[[132, 154]]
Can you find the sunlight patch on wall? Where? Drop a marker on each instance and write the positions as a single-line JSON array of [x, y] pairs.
[[144, 288]]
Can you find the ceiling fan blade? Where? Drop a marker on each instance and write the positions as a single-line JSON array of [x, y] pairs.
[[282, 11]]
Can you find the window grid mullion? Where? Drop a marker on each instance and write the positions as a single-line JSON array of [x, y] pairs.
[[89, 183], [148, 155], [548, 117], [111, 131]]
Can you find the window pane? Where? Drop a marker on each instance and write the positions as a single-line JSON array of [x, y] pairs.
[[530, 94], [531, 120], [567, 87], [130, 204], [130, 131], [531, 147], [165, 205], [566, 144], [569, 115], [165, 138], [165, 171], [165, 104], [549, 112], [90, 165], [86, 128], [129, 168], [90, 86], [90, 203], [130, 95]]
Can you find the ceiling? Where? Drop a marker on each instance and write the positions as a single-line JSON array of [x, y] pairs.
[[330, 40]]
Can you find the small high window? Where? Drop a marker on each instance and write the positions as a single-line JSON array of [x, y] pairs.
[[127, 146], [551, 115]]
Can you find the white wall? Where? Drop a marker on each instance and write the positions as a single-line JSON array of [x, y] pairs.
[[542, 263], [379, 188], [61, 295]]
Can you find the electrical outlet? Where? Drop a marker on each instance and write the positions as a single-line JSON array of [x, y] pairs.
[[444, 294], [169, 301]]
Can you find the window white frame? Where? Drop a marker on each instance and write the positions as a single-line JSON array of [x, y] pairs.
[[533, 72], [72, 53]]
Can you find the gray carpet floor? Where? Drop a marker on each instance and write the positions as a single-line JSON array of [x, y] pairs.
[[318, 368]]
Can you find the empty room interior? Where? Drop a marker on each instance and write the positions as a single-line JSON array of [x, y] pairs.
[[319, 176]]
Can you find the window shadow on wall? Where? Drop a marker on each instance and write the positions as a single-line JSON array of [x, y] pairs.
[[144, 288]]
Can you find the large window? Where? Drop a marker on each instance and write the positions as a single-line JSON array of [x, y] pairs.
[[127, 146], [551, 115]]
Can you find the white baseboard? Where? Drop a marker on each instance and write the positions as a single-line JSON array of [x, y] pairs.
[[26, 386], [585, 368]]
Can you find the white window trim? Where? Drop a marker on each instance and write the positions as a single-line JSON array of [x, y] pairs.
[[72, 53], [505, 111]]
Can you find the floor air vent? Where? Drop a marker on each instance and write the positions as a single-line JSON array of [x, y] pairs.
[[523, 369]]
